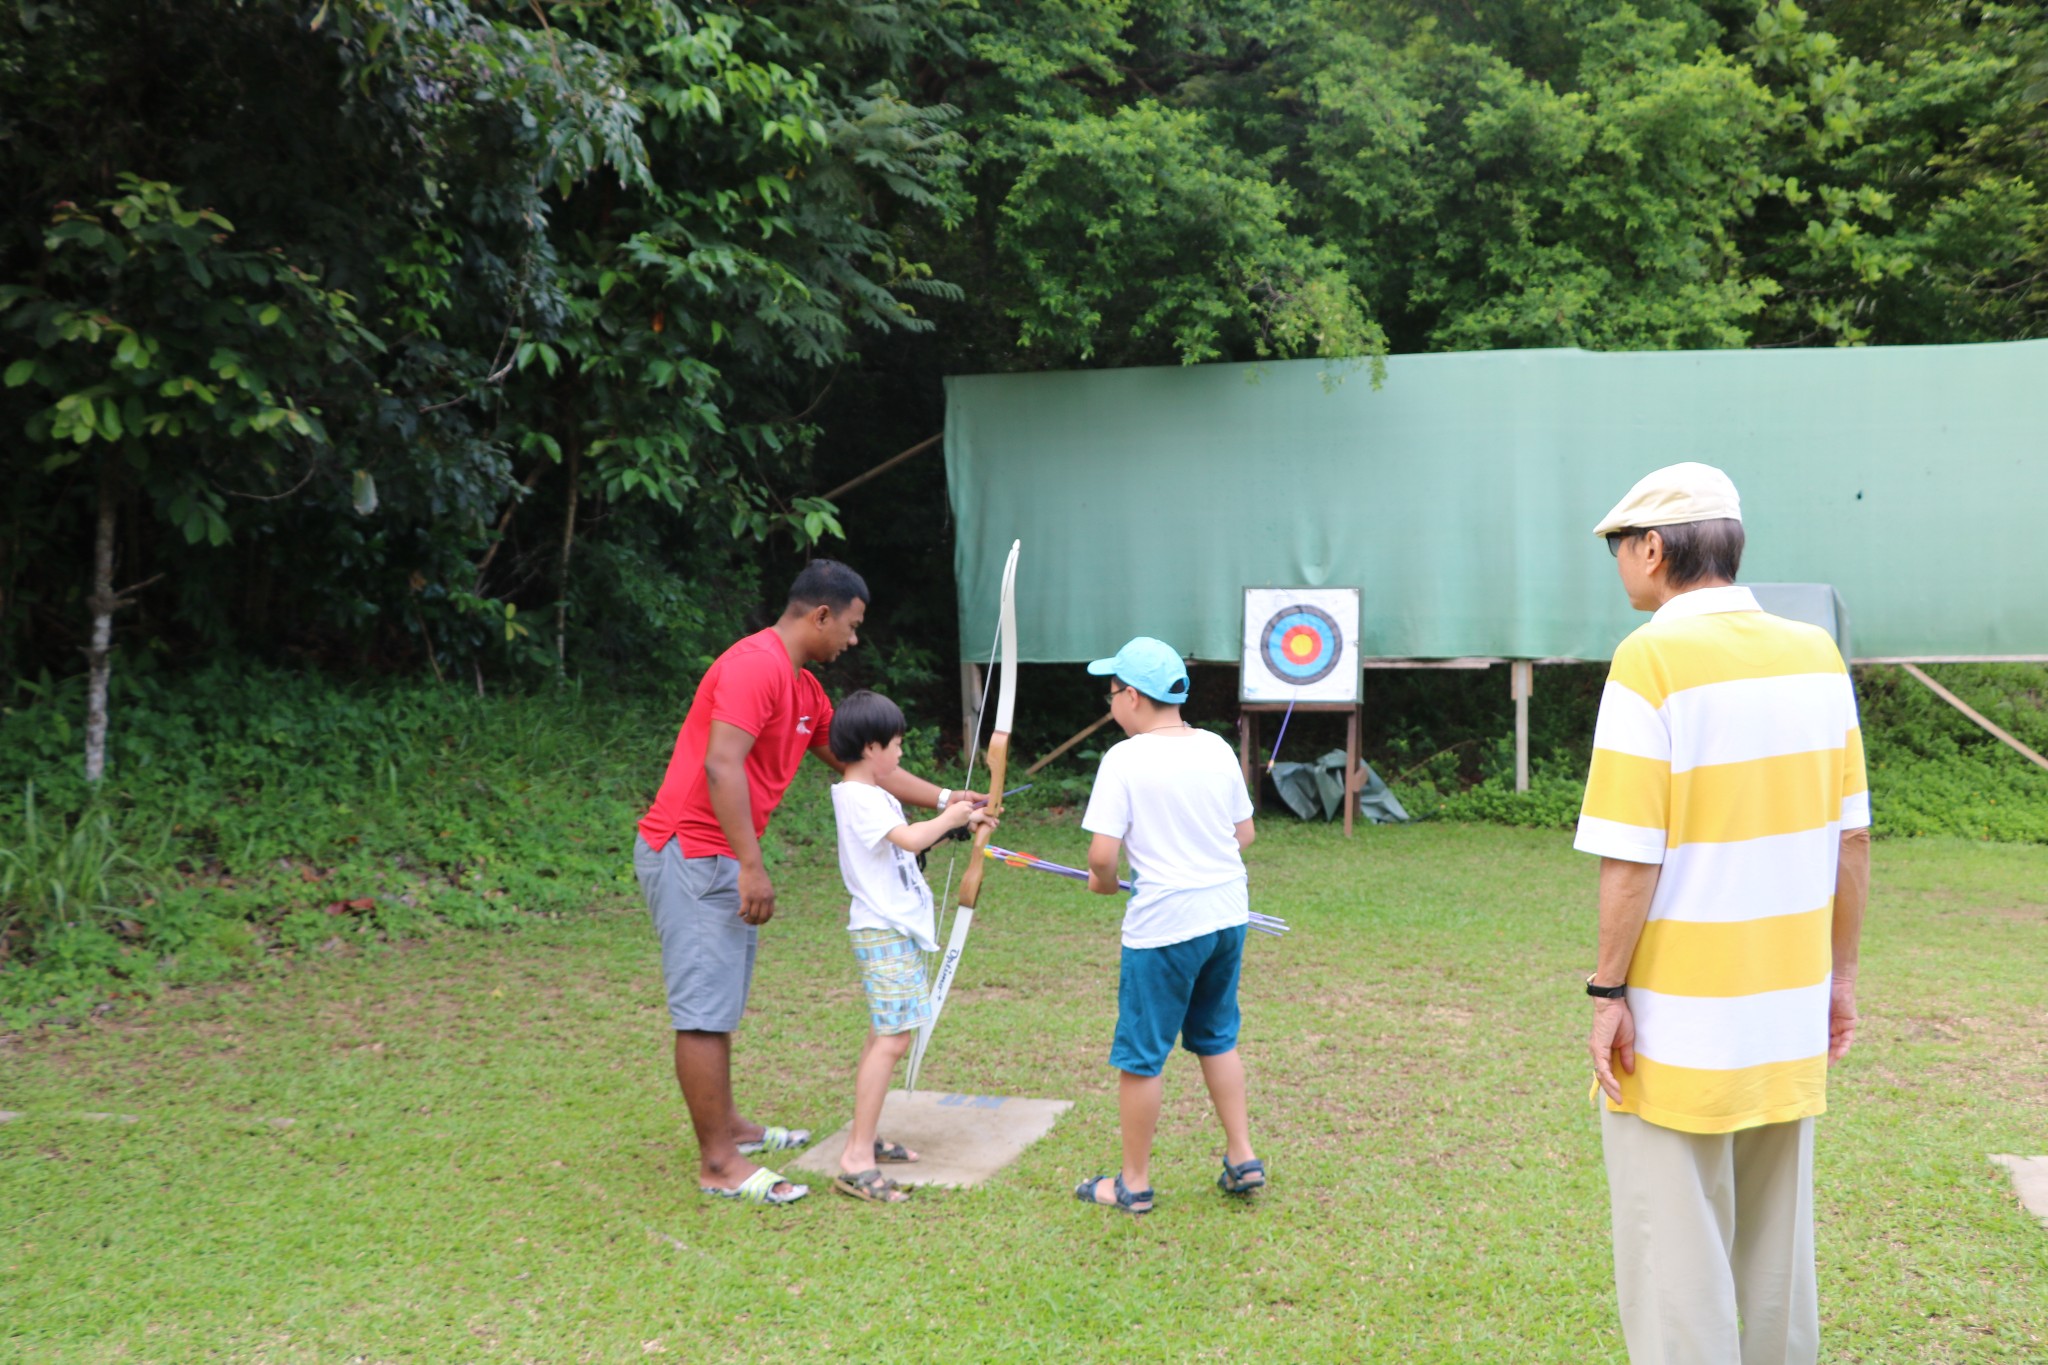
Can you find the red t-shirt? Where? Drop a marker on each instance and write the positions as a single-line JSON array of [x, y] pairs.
[[751, 686]]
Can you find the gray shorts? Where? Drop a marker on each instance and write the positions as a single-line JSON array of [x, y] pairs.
[[707, 950]]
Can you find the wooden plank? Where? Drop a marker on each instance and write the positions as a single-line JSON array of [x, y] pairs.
[[2001, 736], [1069, 744], [884, 467], [1953, 659]]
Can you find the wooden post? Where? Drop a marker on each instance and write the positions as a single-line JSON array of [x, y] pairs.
[[1248, 754], [970, 708], [1254, 767], [1521, 682], [1350, 769]]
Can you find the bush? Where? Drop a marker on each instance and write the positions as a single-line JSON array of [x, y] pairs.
[[254, 813]]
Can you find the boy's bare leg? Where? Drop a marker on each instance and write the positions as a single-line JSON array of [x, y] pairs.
[[1224, 1075], [1138, 1100], [878, 1058], [704, 1071]]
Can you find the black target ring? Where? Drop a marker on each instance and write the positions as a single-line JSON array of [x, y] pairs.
[[1301, 644]]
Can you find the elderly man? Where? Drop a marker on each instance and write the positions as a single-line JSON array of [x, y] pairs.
[[1728, 806]]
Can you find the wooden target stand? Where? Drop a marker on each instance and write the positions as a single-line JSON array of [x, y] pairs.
[[1248, 714]]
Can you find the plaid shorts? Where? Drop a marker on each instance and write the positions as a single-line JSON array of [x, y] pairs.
[[892, 971]]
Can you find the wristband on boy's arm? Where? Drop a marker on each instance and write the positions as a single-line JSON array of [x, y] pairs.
[[945, 798]]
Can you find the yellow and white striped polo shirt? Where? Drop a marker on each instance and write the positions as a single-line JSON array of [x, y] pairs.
[[1728, 750]]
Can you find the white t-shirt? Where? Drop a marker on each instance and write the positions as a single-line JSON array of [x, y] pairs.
[[888, 889], [1175, 800]]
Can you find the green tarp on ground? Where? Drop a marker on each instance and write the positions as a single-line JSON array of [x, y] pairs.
[[1461, 494]]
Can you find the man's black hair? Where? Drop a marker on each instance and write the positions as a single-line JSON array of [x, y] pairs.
[[827, 583], [861, 719], [1697, 551]]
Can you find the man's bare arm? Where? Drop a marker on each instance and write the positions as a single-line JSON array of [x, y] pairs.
[[1625, 892], [725, 772], [1852, 895], [914, 791]]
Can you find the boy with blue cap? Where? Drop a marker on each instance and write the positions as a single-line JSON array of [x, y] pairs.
[[1173, 798]]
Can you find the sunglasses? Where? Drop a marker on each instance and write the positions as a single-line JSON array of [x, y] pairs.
[[1615, 538]]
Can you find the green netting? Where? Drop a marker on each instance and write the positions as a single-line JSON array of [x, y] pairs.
[[1461, 495]]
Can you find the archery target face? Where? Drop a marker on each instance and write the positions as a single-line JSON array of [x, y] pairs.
[[1300, 644]]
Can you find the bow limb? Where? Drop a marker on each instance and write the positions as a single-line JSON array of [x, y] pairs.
[[998, 768]]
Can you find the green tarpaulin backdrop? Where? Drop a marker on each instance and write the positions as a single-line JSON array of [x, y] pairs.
[[1461, 494]]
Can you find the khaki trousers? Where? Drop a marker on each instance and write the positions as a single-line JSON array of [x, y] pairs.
[[1713, 1243]]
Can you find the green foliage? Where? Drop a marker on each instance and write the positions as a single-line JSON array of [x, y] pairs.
[[390, 313], [60, 880], [1193, 248], [253, 817], [250, 817], [1933, 771]]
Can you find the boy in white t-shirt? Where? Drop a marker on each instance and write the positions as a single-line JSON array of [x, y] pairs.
[[1173, 798], [890, 921]]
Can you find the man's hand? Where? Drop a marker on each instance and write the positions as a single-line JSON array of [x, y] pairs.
[[1841, 1018], [1613, 1041], [757, 895]]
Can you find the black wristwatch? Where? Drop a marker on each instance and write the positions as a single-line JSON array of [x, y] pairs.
[[1605, 992]]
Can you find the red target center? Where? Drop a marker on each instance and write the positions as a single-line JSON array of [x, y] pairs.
[[1300, 644]]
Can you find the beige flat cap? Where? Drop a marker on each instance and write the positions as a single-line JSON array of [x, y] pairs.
[[1673, 495]]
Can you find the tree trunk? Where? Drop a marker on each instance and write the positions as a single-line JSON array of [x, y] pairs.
[[562, 570], [103, 602]]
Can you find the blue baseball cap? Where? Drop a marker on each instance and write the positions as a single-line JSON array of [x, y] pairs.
[[1152, 666]]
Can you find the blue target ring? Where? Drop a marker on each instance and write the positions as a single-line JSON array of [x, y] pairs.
[[1301, 644]]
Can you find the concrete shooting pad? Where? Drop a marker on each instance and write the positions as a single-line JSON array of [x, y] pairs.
[[961, 1140], [2029, 1181]]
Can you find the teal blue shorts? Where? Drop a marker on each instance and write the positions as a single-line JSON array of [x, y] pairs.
[[1187, 989]]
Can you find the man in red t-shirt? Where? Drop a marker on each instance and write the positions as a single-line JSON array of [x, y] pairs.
[[756, 713]]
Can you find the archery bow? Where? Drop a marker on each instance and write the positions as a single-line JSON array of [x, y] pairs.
[[998, 765]]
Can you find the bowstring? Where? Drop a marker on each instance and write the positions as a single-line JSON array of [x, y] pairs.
[[988, 677]]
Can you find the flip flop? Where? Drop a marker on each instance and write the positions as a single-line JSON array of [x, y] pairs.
[[1242, 1179], [1130, 1201], [892, 1151], [759, 1188], [776, 1139], [870, 1185]]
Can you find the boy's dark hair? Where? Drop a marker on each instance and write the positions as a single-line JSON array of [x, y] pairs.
[[1700, 550], [827, 583], [861, 719]]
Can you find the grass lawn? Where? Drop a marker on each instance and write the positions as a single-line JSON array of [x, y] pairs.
[[487, 1158]]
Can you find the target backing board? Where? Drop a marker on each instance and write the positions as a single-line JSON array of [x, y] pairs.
[[1300, 644]]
